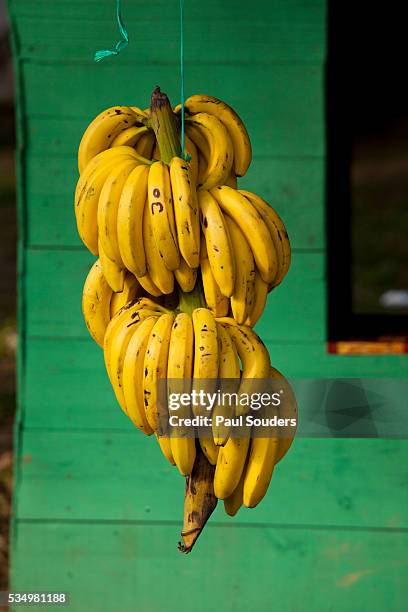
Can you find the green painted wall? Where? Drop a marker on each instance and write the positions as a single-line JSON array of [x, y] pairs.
[[96, 508]]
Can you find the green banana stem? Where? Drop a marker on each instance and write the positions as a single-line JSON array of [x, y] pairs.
[[195, 299], [164, 124]]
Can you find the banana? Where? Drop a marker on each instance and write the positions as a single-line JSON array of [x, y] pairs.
[[87, 194], [130, 136], [180, 366], [161, 276], [131, 290], [199, 103], [164, 444], [263, 456], [286, 410], [148, 285], [216, 302], [206, 360], [229, 377], [162, 214], [130, 314], [233, 503], [221, 151], [278, 232], [252, 226], [145, 144], [185, 211], [191, 149], [103, 130], [253, 354], [186, 276], [155, 368], [130, 221], [230, 465], [108, 209], [219, 248], [96, 297], [199, 140], [114, 274], [259, 302], [232, 181], [261, 461], [244, 290], [132, 374], [119, 339]]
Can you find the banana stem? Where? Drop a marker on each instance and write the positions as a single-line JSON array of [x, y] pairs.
[[164, 124], [199, 501], [190, 301]]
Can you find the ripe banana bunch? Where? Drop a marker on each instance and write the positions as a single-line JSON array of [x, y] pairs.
[[166, 227]]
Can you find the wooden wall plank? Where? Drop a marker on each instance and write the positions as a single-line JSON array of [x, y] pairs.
[[120, 567], [294, 186], [292, 123], [123, 476], [55, 279]]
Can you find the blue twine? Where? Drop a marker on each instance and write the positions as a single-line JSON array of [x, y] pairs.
[[100, 55]]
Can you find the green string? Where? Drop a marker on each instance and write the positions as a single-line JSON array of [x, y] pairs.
[[100, 55], [182, 75]]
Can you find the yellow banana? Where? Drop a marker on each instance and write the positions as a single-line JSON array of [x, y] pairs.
[[206, 360], [199, 140], [221, 150], [114, 274], [145, 144], [148, 285], [119, 339], [230, 465], [252, 226], [233, 503], [287, 409], [259, 301], [229, 377], [87, 194], [191, 149], [219, 248], [129, 315], [278, 232], [130, 221], [155, 368], [232, 181], [180, 366], [258, 474], [162, 214], [244, 290], [165, 447], [161, 276], [132, 375], [185, 211], [131, 290], [253, 354], [186, 276], [236, 129], [108, 209], [96, 297], [101, 132], [216, 302], [130, 136]]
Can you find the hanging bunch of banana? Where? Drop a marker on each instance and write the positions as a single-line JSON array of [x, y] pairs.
[[185, 263]]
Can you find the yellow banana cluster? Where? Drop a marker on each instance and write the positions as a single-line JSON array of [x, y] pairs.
[[144, 343], [179, 232]]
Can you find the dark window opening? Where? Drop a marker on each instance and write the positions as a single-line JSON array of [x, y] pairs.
[[367, 171]]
